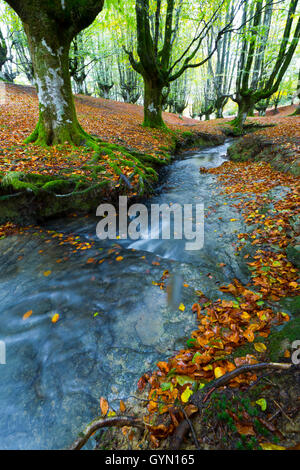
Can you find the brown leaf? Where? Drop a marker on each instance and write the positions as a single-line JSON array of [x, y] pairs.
[[104, 406]]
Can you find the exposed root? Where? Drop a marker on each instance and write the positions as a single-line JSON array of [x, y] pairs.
[[200, 397], [98, 423]]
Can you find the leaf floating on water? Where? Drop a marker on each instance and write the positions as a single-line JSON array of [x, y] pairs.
[[55, 318], [181, 307], [27, 315], [104, 406], [119, 258], [47, 273]]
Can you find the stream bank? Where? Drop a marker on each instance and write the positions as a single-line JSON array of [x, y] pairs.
[[259, 147], [32, 197], [115, 322]]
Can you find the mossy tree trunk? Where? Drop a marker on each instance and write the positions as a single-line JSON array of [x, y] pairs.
[[245, 107], [50, 27], [297, 112], [153, 102], [58, 121], [155, 41], [254, 45]]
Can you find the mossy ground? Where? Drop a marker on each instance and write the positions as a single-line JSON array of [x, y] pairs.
[[81, 183]]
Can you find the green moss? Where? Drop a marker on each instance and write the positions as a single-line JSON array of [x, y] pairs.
[[281, 340], [17, 181], [58, 186]]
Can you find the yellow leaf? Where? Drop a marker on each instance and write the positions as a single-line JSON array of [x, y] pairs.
[[260, 347], [262, 403], [111, 414], [219, 371], [119, 258], [181, 307], [185, 396], [55, 318], [47, 273], [270, 446], [27, 315]]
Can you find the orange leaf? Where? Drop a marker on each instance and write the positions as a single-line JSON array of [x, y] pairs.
[[55, 318], [104, 406], [122, 406], [27, 315]]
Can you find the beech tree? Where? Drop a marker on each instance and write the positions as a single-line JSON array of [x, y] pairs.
[[297, 112], [50, 26], [155, 47], [256, 82]]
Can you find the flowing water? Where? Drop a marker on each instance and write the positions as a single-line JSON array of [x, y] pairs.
[[114, 324]]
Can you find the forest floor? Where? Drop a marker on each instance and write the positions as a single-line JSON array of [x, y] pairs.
[[231, 332], [129, 158]]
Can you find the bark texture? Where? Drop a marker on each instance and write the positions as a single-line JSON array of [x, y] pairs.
[[50, 26]]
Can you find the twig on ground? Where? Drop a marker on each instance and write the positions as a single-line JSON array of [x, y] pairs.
[[283, 412], [197, 398], [98, 423], [200, 397], [192, 428]]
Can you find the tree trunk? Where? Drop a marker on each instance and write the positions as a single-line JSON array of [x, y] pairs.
[[153, 99], [219, 113], [244, 109], [58, 122], [50, 27], [297, 112], [251, 111]]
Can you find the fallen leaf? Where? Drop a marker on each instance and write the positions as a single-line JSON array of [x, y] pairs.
[[260, 347], [262, 403], [104, 406], [27, 315], [185, 396], [55, 318], [122, 406], [270, 446]]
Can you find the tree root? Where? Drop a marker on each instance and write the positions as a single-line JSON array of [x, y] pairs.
[[200, 397], [98, 423]]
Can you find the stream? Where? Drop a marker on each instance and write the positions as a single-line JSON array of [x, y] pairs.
[[114, 323]]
